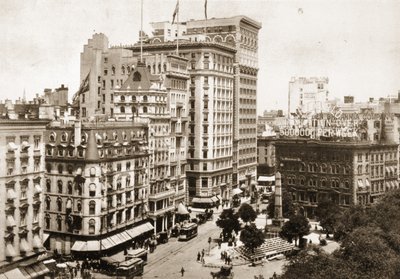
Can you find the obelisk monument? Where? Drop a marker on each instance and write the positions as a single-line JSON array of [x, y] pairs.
[[278, 216]]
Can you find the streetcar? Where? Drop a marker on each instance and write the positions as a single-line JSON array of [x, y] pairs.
[[188, 231], [130, 268]]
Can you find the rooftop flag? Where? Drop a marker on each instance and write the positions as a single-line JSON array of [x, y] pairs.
[[205, 8], [176, 11]]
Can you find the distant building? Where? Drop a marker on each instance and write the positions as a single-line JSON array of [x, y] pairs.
[[97, 187], [266, 159], [22, 151], [308, 95], [347, 173]]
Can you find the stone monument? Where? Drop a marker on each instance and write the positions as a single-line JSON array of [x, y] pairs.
[[278, 218]]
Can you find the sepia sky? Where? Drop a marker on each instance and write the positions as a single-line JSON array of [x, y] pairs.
[[354, 43]]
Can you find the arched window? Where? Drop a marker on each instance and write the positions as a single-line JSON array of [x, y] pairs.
[[48, 202], [122, 98], [113, 70], [79, 206], [165, 67], [69, 188], [302, 167], [59, 204], [92, 207], [145, 98], [133, 98], [128, 68], [48, 166], [59, 223], [159, 68], [60, 168], [149, 68], [128, 181], [144, 109], [123, 69], [92, 226], [92, 189], [48, 185], [60, 186], [137, 76], [47, 221], [122, 109]]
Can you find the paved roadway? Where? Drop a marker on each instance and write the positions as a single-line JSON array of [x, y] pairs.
[[168, 259]]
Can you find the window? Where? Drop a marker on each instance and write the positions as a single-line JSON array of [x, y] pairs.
[[92, 207], [92, 226], [204, 154], [47, 221], [113, 70], [60, 168], [60, 186], [122, 109], [36, 142], [48, 186], [48, 203], [123, 69], [59, 204], [59, 223], [204, 182], [22, 217]]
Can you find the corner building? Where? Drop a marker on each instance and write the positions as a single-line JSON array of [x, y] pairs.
[[22, 163], [97, 187]]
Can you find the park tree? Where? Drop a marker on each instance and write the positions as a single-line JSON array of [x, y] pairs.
[[251, 237], [351, 219], [288, 209], [228, 222], [328, 214], [294, 229], [247, 213]]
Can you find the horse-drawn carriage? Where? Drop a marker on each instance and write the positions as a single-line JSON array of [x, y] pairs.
[[224, 273]]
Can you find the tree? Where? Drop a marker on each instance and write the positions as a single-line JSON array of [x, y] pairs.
[[251, 237], [288, 209], [294, 229], [247, 213], [228, 222], [354, 217], [328, 214]]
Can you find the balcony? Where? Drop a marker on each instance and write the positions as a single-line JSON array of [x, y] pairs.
[[161, 195]]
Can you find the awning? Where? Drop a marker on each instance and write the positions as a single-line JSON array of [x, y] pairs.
[[36, 242], [202, 200], [182, 209], [24, 247], [92, 187], [266, 178], [367, 183], [12, 146], [69, 204], [243, 186], [117, 240], [138, 230], [10, 252], [35, 270], [25, 145], [38, 189], [219, 197], [93, 245], [11, 195], [45, 237], [214, 199], [236, 191], [360, 183], [14, 274], [10, 222]]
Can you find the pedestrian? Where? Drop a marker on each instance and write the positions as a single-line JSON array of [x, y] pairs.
[[202, 254], [198, 256], [274, 275], [222, 255], [182, 271]]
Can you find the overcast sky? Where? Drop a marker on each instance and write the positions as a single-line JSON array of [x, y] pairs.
[[354, 43]]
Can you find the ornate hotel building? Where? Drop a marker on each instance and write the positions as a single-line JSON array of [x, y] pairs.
[[96, 187], [159, 100], [347, 171], [22, 162]]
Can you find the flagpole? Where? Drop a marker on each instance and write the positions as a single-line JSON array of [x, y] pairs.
[[141, 31], [177, 30]]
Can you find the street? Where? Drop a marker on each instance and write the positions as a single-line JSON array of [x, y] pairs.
[[168, 259]]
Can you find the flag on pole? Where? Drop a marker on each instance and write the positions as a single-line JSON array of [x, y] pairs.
[[175, 12], [205, 8]]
